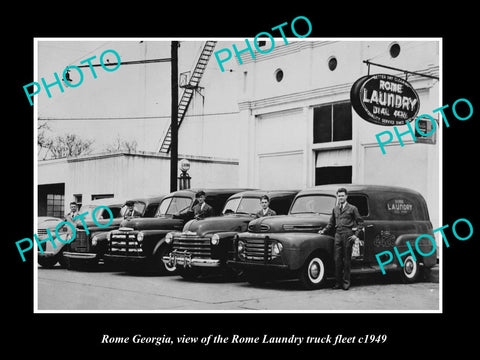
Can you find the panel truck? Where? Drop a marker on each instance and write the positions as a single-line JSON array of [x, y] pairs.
[[204, 246], [292, 247], [139, 244]]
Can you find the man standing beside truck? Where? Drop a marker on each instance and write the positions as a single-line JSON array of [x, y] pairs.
[[346, 223]]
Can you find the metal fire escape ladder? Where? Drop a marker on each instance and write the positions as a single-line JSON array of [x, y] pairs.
[[188, 92]]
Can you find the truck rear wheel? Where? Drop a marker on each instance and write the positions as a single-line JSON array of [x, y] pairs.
[[410, 270], [313, 273]]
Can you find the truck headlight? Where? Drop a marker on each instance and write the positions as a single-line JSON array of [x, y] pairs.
[[109, 236], [94, 240], [277, 248], [215, 239], [169, 238], [140, 236], [241, 248]]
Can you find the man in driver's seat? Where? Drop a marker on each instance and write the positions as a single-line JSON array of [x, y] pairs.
[[201, 210]]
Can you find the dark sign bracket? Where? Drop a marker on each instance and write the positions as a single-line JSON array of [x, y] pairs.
[[406, 72]]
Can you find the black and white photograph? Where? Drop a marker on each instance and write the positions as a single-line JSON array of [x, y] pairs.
[[264, 121], [232, 180]]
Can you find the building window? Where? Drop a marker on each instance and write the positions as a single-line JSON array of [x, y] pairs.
[[333, 166], [279, 75], [332, 123], [394, 50], [101, 196], [78, 199], [333, 175], [332, 63], [55, 205]]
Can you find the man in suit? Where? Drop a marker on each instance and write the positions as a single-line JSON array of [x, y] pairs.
[[265, 210], [344, 219], [130, 212], [201, 210], [73, 212]]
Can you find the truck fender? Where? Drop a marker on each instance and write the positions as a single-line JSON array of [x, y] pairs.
[[160, 244], [317, 243], [401, 245]]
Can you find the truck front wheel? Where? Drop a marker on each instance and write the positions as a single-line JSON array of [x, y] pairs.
[[313, 273], [189, 273], [158, 264], [48, 262]]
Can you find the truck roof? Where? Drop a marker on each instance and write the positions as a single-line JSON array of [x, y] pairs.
[[367, 188], [269, 193], [193, 191], [121, 200]]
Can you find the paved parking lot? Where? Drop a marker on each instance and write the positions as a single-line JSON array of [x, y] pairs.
[[60, 289]]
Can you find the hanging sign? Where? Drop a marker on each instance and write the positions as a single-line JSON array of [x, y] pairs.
[[384, 100]]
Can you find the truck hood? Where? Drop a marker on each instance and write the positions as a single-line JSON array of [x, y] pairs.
[[92, 227], [156, 223], [289, 223], [226, 223]]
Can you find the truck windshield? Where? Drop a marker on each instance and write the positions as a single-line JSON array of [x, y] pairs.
[[173, 205], [245, 205], [138, 206], [316, 204], [101, 213]]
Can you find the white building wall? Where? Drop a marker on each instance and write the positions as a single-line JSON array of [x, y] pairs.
[[132, 175], [284, 110]]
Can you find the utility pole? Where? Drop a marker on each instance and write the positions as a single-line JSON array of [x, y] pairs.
[[174, 119]]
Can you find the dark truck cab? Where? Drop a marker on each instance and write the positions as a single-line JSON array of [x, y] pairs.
[[141, 242], [89, 249], [206, 245], [291, 247]]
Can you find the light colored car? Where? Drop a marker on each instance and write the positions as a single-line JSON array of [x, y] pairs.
[[51, 255]]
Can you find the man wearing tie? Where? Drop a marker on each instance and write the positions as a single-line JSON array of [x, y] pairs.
[[345, 217], [73, 212], [201, 210], [265, 210]]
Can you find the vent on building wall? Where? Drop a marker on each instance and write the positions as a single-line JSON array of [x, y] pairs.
[[278, 75]]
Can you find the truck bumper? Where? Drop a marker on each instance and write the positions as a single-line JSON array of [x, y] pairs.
[[257, 266], [83, 256], [187, 261], [125, 259]]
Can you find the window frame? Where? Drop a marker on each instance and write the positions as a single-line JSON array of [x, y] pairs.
[[332, 123]]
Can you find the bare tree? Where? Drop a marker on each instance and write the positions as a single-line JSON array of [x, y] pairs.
[[42, 139], [122, 145], [69, 145]]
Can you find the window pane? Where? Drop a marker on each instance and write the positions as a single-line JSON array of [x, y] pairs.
[[333, 175], [231, 205], [342, 122], [322, 124], [319, 204], [360, 202]]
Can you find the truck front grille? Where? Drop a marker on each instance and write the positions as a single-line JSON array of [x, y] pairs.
[[258, 249], [197, 246], [125, 244], [81, 242]]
